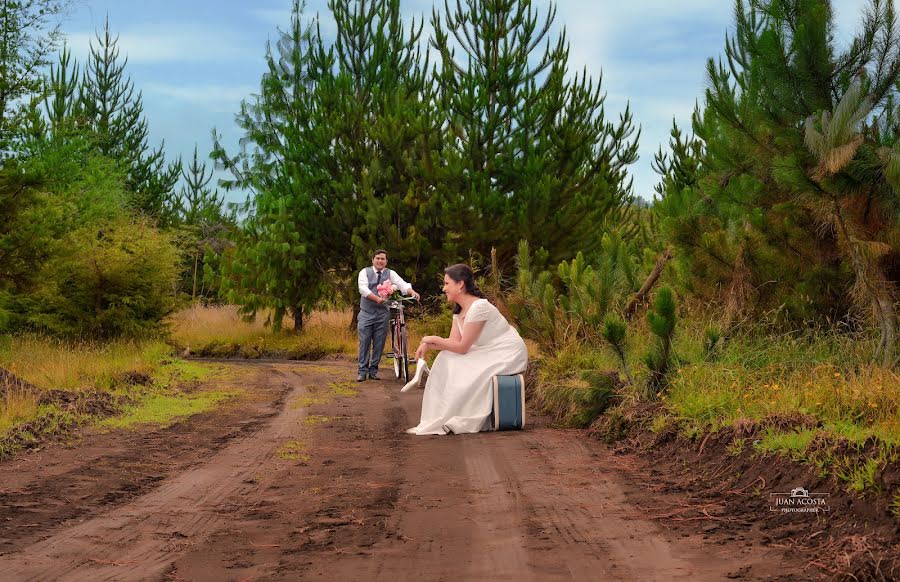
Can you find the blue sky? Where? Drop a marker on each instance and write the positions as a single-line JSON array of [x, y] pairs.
[[194, 60]]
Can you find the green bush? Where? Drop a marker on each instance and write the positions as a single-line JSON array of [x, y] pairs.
[[114, 278]]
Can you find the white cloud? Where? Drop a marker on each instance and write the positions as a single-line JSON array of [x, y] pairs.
[[177, 43], [274, 16], [212, 97]]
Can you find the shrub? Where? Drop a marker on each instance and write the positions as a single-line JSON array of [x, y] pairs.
[[116, 278]]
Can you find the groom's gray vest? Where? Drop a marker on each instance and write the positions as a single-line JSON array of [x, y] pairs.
[[369, 310]]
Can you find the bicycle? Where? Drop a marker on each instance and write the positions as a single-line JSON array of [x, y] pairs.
[[399, 339]]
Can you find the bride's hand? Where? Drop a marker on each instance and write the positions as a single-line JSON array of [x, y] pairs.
[[421, 350]]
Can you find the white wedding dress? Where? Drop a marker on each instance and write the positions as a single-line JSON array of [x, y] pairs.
[[458, 396]]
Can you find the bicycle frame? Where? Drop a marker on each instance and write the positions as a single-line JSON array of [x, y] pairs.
[[399, 341]]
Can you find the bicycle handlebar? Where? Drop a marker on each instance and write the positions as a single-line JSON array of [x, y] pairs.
[[395, 303]]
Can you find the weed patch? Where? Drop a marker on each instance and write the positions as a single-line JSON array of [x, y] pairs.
[[293, 451], [165, 409], [344, 389]]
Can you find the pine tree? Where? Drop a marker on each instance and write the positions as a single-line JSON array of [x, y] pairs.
[[386, 142], [60, 99], [112, 110], [530, 153], [201, 213], [661, 319], [832, 192], [197, 202], [291, 238], [30, 34], [775, 209]]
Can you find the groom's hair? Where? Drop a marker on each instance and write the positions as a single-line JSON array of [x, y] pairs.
[[379, 252]]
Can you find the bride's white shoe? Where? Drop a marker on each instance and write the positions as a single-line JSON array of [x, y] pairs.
[[421, 370]]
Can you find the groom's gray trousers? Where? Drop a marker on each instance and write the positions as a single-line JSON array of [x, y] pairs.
[[373, 330]]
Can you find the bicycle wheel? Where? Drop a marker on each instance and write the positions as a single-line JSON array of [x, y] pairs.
[[404, 357], [395, 350]]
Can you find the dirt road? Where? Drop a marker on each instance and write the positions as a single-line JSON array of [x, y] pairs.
[[307, 481]]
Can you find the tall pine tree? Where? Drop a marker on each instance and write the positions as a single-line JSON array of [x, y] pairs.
[[289, 239], [29, 34], [530, 152], [387, 138], [108, 106], [794, 206]]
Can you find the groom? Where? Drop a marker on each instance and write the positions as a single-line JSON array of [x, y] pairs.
[[374, 315]]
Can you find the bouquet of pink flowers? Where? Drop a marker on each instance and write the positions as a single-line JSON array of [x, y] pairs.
[[388, 290]]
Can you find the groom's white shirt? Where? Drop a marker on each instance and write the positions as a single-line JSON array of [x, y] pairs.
[[363, 281]]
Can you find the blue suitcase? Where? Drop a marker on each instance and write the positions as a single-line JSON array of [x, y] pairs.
[[509, 402]]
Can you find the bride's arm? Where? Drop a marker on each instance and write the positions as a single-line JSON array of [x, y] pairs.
[[428, 342], [456, 343]]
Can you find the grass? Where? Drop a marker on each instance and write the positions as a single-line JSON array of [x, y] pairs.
[[346, 389], [319, 395], [220, 331], [572, 387], [293, 451], [67, 365], [137, 382], [826, 378], [73, 366], [16, 406], [795, 442], [165, 409]]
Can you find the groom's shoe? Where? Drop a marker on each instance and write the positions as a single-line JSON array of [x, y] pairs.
[[361, 378], [373, 377], [418, 379]]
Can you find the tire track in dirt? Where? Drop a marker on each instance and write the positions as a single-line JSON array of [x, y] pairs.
[[364, 501], [536, 505], [137, 540]]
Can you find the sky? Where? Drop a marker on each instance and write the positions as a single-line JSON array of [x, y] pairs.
[[195, 60]]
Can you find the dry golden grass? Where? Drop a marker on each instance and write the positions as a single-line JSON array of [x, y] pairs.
[[15, 406], [67, 365], [332, 328], [197, 327]]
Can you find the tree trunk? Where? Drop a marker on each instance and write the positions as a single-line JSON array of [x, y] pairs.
[[196, 261], [641, 296], [298, 319], [353, 298]]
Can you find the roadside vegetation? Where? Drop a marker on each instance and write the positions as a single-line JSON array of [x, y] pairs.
[[757, 292]]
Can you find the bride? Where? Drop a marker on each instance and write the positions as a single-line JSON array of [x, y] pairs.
[[481, 345]]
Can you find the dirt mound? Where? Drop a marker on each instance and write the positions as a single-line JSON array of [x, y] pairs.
[[9, 382], [253, 351], [857, 538], [89, 402], [63, 411], [134, 378]]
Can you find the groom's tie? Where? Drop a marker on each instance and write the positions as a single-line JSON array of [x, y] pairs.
[[379, 277]]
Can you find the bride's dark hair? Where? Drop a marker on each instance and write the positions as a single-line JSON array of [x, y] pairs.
[[463, 273]]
